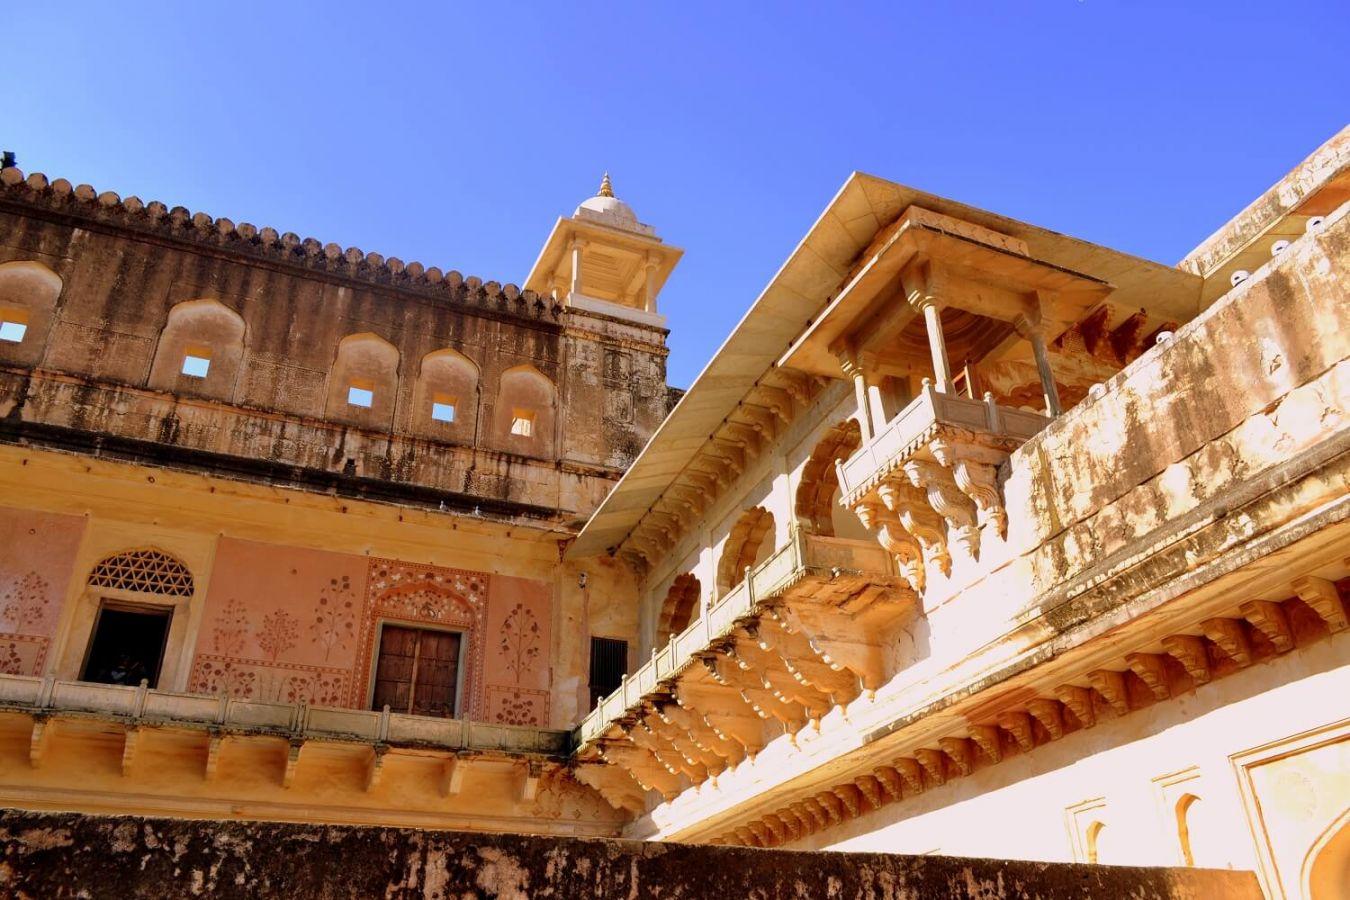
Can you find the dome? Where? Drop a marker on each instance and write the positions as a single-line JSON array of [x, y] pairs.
[[609, 209]]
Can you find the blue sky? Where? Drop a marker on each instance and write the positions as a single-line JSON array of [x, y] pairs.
[[455, 133]]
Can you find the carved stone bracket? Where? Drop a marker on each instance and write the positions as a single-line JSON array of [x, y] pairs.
[[947, 500], [975, 471], [918, 518]]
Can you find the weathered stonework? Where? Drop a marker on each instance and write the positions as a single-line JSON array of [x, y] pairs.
[[55, 856]]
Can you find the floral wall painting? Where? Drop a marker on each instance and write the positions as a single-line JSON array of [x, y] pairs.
[[37, 558], [520, 618]]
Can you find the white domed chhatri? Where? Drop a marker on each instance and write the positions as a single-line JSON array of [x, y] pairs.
[[601, 259], [607, 209]]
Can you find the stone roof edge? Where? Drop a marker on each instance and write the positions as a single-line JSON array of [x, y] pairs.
[[309, 254]]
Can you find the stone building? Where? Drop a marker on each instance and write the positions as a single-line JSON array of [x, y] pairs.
[[972, 539]]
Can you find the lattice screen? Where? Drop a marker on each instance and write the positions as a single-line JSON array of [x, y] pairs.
[[147, 571]]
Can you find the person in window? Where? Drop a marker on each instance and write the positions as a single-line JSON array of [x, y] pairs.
[[125, 670]]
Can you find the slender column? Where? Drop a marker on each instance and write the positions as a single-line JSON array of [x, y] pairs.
[[937, 344], [1033, 332], [854, 371], [878, 407], [577, 245], [649, 301]]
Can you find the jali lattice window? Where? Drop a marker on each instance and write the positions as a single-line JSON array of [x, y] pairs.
[[144, 571]]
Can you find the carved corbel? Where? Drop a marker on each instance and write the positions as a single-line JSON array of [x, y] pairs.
[[39, 739], [763, 837], [934, 764], [987, 738], [726, 713], [615, 786], [1152, 670], [811, 806], [131, 743], [375, 766], [1323, 596], [918, 518], [975, 471], [1079, 701], [453, 771], [643, 768], [837, 638], [1018, 724], [293, 748], [777, 829], [777, 400], [891, 534], [833, 806], [1192, 653], [1270, 620], [890, 781], [1230, 637], [768, 667], [799, 657], [529, 781], [851, 798], [215, 742], [664, 754], [947, 500], [701, 732], [911, 772], [870, 789], [1111, 685], [961, 751], [1049, 714], [791, 716]]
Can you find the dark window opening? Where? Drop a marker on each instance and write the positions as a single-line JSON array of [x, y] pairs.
[[417, 671], [609, 663], [128, 645]]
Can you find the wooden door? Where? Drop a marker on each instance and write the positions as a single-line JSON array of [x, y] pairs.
[[417, 671]]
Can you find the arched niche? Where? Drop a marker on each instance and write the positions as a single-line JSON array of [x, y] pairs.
[[363, 383], [1326, 870], [524, 412], [680, 609], [28, 294], [445, 397], [816, 504], [199, 351], [749, 543]]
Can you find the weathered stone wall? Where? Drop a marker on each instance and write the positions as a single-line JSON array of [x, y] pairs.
[[114, 292], [55, 856]]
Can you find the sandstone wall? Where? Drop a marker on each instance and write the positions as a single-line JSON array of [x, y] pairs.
[[53, 856]]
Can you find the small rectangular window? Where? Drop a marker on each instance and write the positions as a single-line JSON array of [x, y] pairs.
[[359, 396], [443, 408], [609, 663], [12, 331], [196, 366], [522, 422]]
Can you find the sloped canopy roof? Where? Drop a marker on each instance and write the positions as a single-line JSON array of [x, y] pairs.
[[805, 284]]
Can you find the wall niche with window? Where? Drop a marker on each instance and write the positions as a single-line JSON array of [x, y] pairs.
[[524, 412], [363, 383], [28, 294], [445, 398], [199, 351]]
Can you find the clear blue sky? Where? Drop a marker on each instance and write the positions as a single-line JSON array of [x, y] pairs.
[[455, 133]]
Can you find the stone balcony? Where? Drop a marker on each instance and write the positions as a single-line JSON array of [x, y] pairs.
[[930, 477], [804, 632]]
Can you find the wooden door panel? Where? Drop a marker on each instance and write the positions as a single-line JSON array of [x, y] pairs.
[[417, 671]]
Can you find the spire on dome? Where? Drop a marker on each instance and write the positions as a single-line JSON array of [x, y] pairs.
[[606, 188]]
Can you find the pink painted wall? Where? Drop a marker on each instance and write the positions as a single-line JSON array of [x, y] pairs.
[[285, 624], [37, 556]]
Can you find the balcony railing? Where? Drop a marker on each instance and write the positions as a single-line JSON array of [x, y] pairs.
[[47, 696], [920, 421], [803, 555]]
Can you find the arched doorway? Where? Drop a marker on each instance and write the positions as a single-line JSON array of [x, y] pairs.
[[680, 608], [816, 507], [749, 543]]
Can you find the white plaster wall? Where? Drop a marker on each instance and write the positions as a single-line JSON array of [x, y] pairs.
[[1022, 808]]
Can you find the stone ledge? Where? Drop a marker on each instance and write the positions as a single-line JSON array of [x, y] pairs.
[[67, 855]]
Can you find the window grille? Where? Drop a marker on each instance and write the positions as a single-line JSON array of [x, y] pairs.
[[609, 663], [145, 571]]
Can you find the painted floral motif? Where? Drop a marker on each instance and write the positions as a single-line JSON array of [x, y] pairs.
[[11, 663], [231, 628], [520, 640], [278, 634], [224, 676], [24, 606], [517, 710], [335, 616]]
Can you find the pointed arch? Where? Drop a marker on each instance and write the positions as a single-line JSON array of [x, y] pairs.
[[200, 350], [525, 412], [680, 609], [749, 543], [446, 397], [363, 383], [28, 295], [815, 500]]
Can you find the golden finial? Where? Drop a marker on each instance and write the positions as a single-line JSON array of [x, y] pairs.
[[606, 189]]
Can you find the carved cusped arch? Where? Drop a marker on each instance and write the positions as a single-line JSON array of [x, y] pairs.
[[815, 506], [749, 543], [680, 608]]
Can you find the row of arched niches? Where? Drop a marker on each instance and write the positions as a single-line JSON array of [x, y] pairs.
[[202, 352]]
